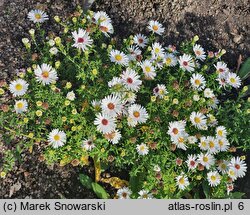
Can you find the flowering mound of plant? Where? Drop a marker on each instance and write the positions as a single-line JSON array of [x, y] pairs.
[[133, 105]]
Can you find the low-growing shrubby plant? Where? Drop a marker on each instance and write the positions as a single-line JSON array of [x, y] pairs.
[[160, 114]]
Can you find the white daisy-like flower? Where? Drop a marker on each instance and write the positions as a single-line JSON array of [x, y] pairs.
[[182, 181], [233, 80], [57, 138], [191, 162], [199, 52], [111, 105], [137, 114], [186, 62], [239, 166], [180, 141], [221, 131], [213, 178], [88, 144], [142, 149], [129, 97], [221, 67], [82, 39], [223, 166], [198, 119], [71, 96], [140, 40], [105, 123], [176, 128], [198, 82], [156, 27], [160, 90], [101, 16], [114, 136], [203, 144], [232, 174], [192, 139], [124, 193], [53, 51], [96, 104], [207, 160], [106, 28], [45, 74], [144, 194], [212, 143], [37, 16], [208, 93], [131, 80], [119, 57], [148, 69], [134, 51], [223, 144], [157, 50], [170, 60], [18, 87], [115, 82], [213, 102], [21, 106]]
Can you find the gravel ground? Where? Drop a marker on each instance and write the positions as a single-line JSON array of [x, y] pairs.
[[219, 23]]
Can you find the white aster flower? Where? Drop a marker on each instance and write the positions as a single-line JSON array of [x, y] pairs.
[[192, 139], [119, 57], [213, 178], [101, 16], [198, 81], [157, 50], [232, 174], [21, 106], [137, 114], [223, 166], [199, 52], [144, 194], [186, 63], [140, 40], [134, 51], [182, 182], [208, 93], [114, 137], [82, 39], [148, 69], [238, 166], [176, 128], [221, 67], [233, 80], [115, 82], [207, 160], [88, 144], [142, 149], [124, 193], [45, 74], [191, 162], [155, 27], [160, 90], [57, 138], [198, 119], [106, 28], [212, 143], [203, 144], [223, 144], [111, 105], [221, 131], [105, 123], [37, 16], [170, 60], [131, 80], [18, 87]]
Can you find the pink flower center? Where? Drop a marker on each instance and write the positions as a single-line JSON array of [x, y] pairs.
[[237, 166], [140, 40], [105, 121], [192, 163], [111, 106], [80, 40], [185, 63], [130, 80]]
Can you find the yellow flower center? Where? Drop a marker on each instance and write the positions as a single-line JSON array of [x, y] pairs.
[[211, 144], [155, 27], [136, 114], [205, 159], [168, 61], [181, 139], [161, 92], [197, 82], [38, 16], [118, 57], [220, 132], [56, 137], [220, 142], [20, 105], [147, 69], [142, 148], [204, 144], [19, 87], [223, 166], [197, 120], [157, 50], [213, 178], [45, 74], [181, 180], [232, 80]]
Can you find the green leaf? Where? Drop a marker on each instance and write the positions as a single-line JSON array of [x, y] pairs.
[[135, 183], [206, 189], [86, 181], [236, 195], [245, 70], [99, 191]]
